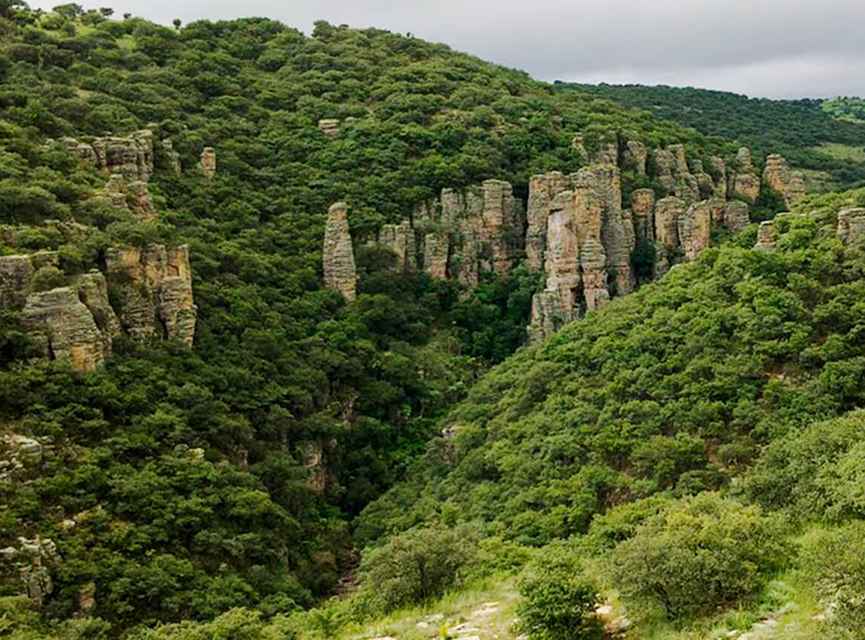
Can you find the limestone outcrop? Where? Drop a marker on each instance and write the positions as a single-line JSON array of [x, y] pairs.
[[667, 213], [207, 162], [156, 292], [635, 157], [64, 328], [131, 156], [399, 238], [778, 177], [329, 127], [851, 225], [695, 228], [542, 190], [743, 184], [767, 235], [338, 264]]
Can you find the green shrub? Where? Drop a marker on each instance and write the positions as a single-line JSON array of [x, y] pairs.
[[835, 565], [559, 601], [414, 567], [47, 278], [699, 554]]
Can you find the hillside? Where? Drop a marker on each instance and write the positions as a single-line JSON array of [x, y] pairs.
[[225, 416], [805, 131], [265, 300]]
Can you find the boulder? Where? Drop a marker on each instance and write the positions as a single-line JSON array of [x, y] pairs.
[[329, 127], [340, 272]]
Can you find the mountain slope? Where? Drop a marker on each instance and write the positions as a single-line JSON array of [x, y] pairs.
[[673, 389], [795, 128]]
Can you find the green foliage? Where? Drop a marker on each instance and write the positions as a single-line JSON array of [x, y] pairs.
[[794, 128], [698, 554], [558, 600], [673, 388], [414, 567], [833, 562]]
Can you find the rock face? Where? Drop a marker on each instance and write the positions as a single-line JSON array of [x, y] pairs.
[[207, 162], [399, 238], [643, 212], [767, 236], [542, 190], [635, 157], [133, 197], [156, 294], [695, 227], [329, 127], [851, 225], [34, 559], [743, 184], [736, 216], [131, 156], [340, 272], [667, 213], [65, 328]]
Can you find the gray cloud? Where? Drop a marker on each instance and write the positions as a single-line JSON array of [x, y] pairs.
[[775, 48]]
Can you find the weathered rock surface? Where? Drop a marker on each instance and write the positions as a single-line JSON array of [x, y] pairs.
[[667, 213], [340, 272], [643, 213], [131, 156], [743, 184], [796, 189], [207, 162], [400, 239], [736, 216], [608, 150], [767, 236], [329, 127], [156, 295], [695, 227], [93, 292], [851, 225], [718, 170], [778, 177], [65, 328], [635, 157], [15, 273], [34, 559], [542, 189], [133, 197]]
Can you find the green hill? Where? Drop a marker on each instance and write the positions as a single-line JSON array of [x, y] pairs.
[[798, 129]]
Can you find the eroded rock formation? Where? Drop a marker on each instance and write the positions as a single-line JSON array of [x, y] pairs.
[[851, 225], [131, 156], [778, 177], [329, 127], [207, 162], [399, 238], [340, 272], [743, 184], [156, 292]]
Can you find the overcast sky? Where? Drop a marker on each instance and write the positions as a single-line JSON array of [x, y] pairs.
[[774, 48]]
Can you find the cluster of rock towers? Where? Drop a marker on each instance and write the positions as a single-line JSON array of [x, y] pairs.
[[574, 227]]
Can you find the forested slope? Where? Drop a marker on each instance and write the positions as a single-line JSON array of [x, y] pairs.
[[794, 128], [177, 482]]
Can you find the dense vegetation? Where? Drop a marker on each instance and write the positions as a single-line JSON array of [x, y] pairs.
[[793, 128], [175, 482], [184, 472], [845, 108]]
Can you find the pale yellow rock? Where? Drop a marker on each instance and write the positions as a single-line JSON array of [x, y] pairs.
[[340, 272]]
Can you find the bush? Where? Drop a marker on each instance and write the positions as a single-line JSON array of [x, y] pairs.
[[559, 601], [414, 567], [834, 563], [699, 554]]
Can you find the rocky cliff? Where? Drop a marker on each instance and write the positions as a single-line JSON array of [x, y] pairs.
[[78, 323], [575, 227], [131, 156]]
